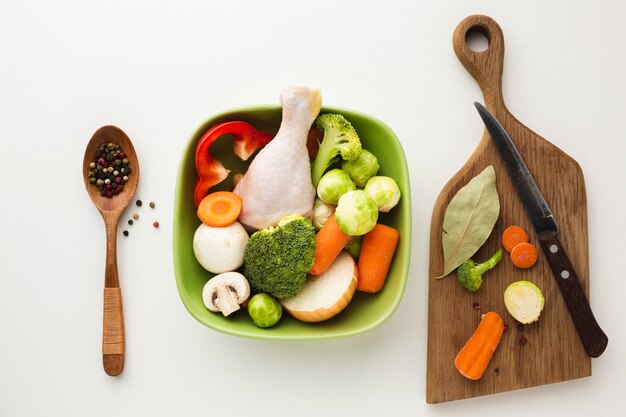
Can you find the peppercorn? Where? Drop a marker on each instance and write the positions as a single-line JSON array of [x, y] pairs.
[[130, 222], [125, 232], [156, 225], [476, 306], [152, 204], [523, 341], [92, 165], [520, 327], [138, 202], [135, 216], [506, 327]]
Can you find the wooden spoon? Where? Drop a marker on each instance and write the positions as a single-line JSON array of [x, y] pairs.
[[111, 209]]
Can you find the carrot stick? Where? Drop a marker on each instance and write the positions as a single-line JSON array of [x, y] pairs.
[[513, 235], [330, 240], [524, 255], [473, 359], [377, 251], [219, 209]]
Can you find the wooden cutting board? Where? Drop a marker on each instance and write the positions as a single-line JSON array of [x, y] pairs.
[[553, 352]]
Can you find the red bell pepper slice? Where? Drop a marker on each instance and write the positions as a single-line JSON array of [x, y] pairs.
[[246, 140]]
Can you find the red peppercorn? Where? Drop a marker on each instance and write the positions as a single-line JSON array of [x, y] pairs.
[[506, 327], [476, 306], [156, 225], [523, 340]]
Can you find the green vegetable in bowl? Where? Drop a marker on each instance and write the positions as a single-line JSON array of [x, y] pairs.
[[384, 191], [524, 301], [264, 310], [333, 185], [354, 247], [362, 168], [277, 259], [356, 213], [470, 274], [340, 139], [321, 213]]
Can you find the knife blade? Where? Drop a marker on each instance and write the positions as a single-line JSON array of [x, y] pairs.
[[591, 335]]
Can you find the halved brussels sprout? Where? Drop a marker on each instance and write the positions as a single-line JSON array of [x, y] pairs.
[[524, 301], [333, 185]]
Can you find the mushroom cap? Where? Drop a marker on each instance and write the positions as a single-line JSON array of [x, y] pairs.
[[236, 284], [220, 249]]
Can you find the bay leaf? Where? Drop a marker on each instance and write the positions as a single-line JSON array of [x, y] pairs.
[[469, 219]]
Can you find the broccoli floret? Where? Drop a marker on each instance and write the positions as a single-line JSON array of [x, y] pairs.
[[340, 138], [277, 259], [470, 274]]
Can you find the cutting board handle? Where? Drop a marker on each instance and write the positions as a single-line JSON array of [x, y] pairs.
[[485, 66]]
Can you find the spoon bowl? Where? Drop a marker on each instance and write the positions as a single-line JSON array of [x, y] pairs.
[[111, 209]]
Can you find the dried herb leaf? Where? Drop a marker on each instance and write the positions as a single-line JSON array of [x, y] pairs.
[[469, 219]]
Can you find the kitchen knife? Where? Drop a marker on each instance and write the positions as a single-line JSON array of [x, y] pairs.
[[591, 335]]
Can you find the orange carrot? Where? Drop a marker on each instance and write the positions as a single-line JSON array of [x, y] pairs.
[[330, 240], [377, 251], [219, 209], [524, 255], [513, 235], [473, 359]]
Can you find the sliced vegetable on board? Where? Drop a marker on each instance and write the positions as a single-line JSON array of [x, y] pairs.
[[377, 250], [246, 139], [326, 295], [513, 235], [524, 255], [469, 219], [524, 301], [472, 360]]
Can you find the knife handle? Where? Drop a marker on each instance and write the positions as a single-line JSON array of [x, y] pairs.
[[591, 335]]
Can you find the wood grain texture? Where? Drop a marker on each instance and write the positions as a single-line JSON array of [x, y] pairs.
[[554, 351], [111, 209]]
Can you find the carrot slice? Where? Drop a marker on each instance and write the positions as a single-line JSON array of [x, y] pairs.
[[513, 235], [524, 255], [377, 251], [219, 209], [473, 359], [330, 240]]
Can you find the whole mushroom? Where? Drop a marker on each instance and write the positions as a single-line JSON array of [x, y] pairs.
[[225, 292], [220, 249]]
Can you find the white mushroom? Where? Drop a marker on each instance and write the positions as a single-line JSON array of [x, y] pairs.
[[225, 292], [220, 249]]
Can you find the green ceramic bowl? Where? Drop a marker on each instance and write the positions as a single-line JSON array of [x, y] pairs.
[[366, 311]]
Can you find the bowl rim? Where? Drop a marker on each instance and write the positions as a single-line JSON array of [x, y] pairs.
[[407, 217]]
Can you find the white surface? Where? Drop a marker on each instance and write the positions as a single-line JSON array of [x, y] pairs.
[[158, 71]]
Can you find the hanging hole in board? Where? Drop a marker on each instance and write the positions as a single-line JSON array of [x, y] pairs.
[[477, 39]]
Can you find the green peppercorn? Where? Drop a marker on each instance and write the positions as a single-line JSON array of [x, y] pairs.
[[135, 216], [152, 204], [125, 161], [92, 165], [92, 180], [100, 182]]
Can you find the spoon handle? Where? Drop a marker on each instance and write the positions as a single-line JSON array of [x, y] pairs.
[[113, 340]]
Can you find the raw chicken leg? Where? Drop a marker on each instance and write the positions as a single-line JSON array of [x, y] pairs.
[[278, 181]]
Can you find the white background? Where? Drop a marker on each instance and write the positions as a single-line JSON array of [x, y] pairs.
[[157, 71]]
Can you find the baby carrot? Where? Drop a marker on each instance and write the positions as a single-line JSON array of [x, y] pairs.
[[473, 359], [219, 209], [524, 255], [330, 240], [377, 251], [513, 235]]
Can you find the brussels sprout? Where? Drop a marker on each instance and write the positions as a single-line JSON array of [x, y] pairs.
[[321, 213], [362, 168], [333, 185], [524, 301], [356, 213], [264, 310], [384, 191], [354, 247]]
